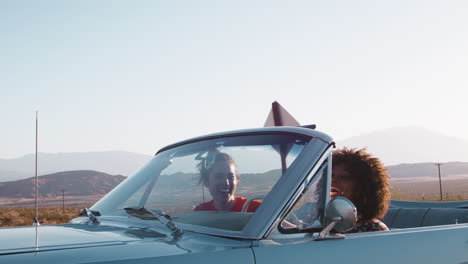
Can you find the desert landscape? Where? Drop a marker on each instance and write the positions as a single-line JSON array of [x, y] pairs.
[[452, 190], [63, 194]]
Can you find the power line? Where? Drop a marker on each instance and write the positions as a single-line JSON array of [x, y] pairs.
[[63, 200], [440, 180]]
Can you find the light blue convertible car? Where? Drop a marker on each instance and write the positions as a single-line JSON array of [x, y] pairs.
[[281, 178]]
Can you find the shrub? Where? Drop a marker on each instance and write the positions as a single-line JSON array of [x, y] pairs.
[[25, 216]]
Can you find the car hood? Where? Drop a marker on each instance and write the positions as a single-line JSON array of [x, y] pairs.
[[24, 240], [106, 242]]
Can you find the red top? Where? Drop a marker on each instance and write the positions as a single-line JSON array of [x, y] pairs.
[[239, 202]]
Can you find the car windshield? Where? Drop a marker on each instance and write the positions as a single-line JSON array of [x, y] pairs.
[[217, 183]]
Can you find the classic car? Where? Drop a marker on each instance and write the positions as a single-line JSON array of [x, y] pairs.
[[154, 217]]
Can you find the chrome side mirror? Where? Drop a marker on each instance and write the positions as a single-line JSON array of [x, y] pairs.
[[340, 216]]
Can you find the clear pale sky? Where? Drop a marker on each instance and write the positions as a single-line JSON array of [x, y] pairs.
[[138, 75]]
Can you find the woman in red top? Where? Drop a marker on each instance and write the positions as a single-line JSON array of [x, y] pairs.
[[363, 179], [221, 178]]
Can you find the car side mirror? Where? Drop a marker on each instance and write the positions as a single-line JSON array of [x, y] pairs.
[[340, 216]]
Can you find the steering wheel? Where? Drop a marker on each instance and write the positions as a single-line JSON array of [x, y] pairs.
[[250, 200]]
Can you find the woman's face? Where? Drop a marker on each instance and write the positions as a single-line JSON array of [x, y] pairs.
[[342, 182], [222, 181]]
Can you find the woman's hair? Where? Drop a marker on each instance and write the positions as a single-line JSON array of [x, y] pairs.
[[206, 164], [371, 194]]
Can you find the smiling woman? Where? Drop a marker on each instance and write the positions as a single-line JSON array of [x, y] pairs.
[[362, 178], [221, 178]]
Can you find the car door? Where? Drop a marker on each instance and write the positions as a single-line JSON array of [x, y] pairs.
[[443, 244]]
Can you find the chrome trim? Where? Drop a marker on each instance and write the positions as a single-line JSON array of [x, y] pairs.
[[298, 191], [304, 166]]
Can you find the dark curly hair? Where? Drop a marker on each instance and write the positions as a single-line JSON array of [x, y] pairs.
[[371, 194]]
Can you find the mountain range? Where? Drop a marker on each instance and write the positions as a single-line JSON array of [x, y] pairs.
[[410, 145], [110, 162], [401, 145], [79, 184], [94, 183], [428, 171], [73, 183]]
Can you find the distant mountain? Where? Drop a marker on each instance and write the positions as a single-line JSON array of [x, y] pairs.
[[93, 183], [401, 145], [427, 171], [410, 145], [111, 162], [75, 183], [8, 175]]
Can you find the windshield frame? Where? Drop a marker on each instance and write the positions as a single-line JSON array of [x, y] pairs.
[[279, 196]]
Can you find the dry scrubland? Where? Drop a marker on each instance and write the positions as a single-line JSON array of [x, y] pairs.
[[452, 190], [25, 216], [70, 201]]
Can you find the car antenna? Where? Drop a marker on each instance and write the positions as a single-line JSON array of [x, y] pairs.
[[36, 214]]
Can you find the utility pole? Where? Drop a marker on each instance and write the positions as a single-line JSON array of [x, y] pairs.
[[63, 200], [440, 180]]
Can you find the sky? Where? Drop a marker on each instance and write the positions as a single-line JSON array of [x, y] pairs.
[[139, 75]]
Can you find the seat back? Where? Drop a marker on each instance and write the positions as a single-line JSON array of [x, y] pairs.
[[445, 216], [418, 217]]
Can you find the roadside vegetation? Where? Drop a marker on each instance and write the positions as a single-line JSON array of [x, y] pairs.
[[452, 190], [25, 216]]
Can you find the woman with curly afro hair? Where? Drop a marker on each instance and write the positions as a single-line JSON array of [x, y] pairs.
[[363, 179]]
